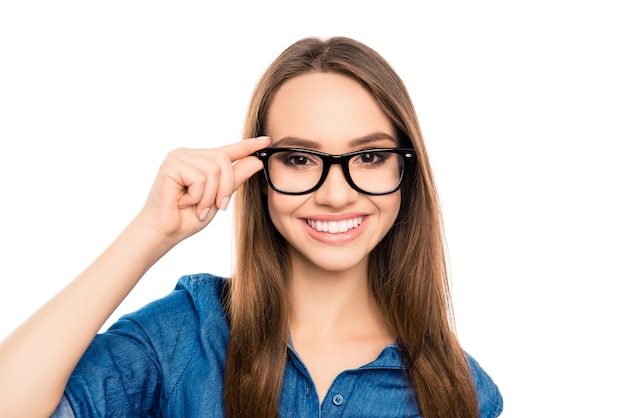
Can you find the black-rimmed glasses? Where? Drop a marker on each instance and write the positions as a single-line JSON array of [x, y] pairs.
[[298, 171]]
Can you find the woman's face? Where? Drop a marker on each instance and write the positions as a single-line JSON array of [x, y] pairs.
[[335, 227]]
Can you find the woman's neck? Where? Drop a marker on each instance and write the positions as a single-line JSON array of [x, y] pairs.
[[332, 305], [334, 322]]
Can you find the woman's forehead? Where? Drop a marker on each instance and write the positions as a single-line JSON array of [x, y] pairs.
[[326, 107]]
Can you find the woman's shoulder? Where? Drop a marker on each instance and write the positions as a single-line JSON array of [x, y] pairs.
[[203, 286], [194, 305], [172, 329], [146, 354], [198, 296], [490, 400]]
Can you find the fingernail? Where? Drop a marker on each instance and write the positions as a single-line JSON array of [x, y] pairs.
[[262, 138], [224, 203], [204, 214]]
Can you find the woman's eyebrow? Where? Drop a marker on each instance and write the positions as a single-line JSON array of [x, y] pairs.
[[374, 137], [292, 141]]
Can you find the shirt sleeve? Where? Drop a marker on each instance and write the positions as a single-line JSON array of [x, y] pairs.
[[490, 402], [133, 368], [117, 376]]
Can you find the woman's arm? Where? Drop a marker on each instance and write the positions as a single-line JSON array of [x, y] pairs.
[[37, 359]]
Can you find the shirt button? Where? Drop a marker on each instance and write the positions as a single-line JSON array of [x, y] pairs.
[[338, 400]]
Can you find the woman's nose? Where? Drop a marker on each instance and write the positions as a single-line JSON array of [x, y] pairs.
[[335, 191]]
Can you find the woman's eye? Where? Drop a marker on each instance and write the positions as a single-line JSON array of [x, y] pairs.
[[368, 158], [297, 160], [372, 157]]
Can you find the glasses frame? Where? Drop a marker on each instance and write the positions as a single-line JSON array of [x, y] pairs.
[[408, 155]]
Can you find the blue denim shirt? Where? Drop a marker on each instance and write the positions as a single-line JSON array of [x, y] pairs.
[[167, 359]]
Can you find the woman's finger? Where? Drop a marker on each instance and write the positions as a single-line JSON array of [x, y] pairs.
[[242, 149], [244, 169], [231, 172]]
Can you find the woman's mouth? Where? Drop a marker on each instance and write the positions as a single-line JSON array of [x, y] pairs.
[[335, 227]]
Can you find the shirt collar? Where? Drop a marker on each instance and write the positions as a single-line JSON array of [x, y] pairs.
[[389, 358]]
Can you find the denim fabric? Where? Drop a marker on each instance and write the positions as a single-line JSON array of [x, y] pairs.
[[64, 410], [167, 359]]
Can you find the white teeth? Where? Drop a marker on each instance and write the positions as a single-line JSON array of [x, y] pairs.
[[335, 227]]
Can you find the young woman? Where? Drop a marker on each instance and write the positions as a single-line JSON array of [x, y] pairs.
[[338, 305]]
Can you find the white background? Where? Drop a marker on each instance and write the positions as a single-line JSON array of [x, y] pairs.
[[522, 107]]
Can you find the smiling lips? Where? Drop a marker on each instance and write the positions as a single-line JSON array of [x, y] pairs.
[[335, 227]]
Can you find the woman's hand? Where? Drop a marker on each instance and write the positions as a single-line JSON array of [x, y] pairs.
[[190, 187], [193, 184]]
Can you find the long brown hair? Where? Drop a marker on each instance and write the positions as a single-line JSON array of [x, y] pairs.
[[407, 270]]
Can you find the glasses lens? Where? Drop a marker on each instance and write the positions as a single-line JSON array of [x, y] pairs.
[[295, 171], [377, 171]]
